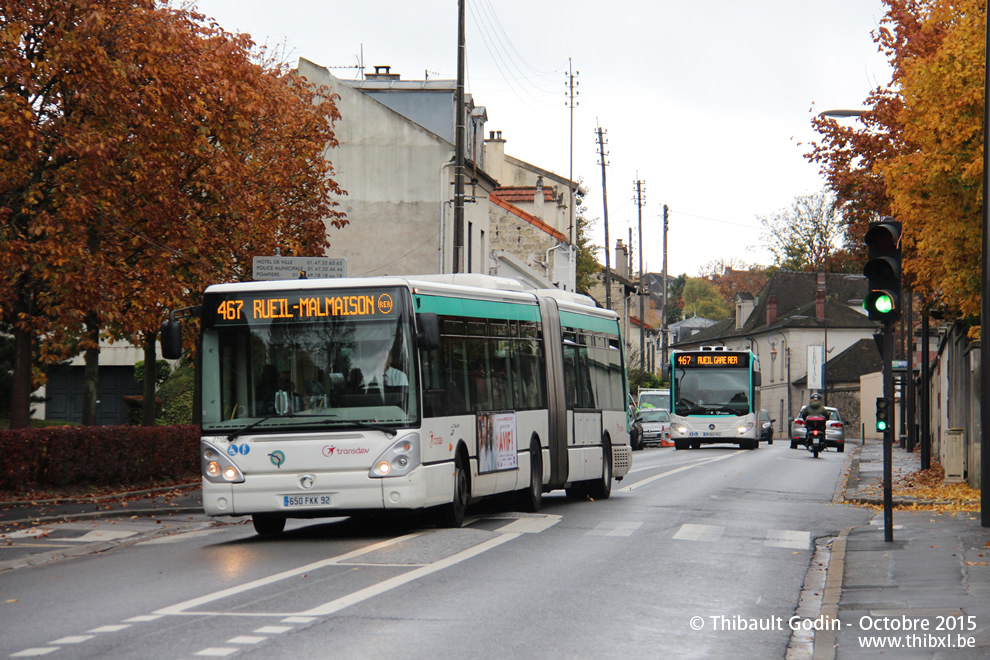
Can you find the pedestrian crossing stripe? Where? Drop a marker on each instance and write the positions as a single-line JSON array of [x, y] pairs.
[[691, 532], [775, 538], [615, 528]]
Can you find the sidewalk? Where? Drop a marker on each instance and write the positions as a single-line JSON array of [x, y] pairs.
[[926, 594]]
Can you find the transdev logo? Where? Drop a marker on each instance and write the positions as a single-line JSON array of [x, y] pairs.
[[329, 450]]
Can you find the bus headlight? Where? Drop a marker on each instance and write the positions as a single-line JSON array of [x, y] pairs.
[[398, 460], [682, 429], [746, 428], [217, 468]]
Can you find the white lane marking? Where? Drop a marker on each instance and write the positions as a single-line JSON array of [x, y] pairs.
[[530, 525], [650, 480], [246, 639], [99, 535], [216, 652], [708, 533], [73, 639], [272, 630], [399, 580], [106, 629], [788, 538], [142, 618], [176, 538], [181, 608], [24, 533], [35, 652], [299, 619], [614, 528]]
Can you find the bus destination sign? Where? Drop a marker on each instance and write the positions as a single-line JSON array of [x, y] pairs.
[[301, 306], [712, 359]]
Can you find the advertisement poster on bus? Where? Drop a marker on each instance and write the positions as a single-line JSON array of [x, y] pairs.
[[496, 442]]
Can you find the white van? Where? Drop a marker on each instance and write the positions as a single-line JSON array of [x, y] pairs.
[[653, 398]]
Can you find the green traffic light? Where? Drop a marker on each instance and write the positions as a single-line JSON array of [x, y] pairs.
[[881, 425], [883, 304]]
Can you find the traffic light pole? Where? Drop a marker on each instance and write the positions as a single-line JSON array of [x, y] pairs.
[[888, 434]]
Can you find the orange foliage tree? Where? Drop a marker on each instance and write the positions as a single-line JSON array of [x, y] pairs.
[[918, 153], [147, 153]]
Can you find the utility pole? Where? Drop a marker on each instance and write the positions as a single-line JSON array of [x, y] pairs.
[[663, 317], [642, 282], [459, 147], [608, 274], [572, 230]]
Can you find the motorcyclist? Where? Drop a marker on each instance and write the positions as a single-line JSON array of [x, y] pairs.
[[815, 407]]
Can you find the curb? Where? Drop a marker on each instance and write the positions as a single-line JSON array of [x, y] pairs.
[[100, 498], [114, 513], [824, 643]]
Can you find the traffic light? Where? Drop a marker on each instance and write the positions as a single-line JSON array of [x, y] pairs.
[[883, 414], [883, 270]]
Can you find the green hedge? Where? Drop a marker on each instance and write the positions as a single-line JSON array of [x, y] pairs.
[[97, 455]]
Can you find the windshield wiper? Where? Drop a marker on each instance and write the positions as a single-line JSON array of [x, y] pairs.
[[387, 430], [244, 429]]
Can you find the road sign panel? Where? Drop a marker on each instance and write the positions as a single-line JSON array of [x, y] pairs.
[[291, 268]]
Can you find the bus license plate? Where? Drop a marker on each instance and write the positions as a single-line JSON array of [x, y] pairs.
[[293, 501], [712, 434]]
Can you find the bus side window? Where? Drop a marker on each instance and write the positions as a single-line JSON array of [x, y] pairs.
[[433, 392]]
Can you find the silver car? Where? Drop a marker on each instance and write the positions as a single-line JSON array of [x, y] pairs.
[[835, 431], [652, 427]]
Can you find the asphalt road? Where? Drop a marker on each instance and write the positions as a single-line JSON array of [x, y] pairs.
[[693, 550]]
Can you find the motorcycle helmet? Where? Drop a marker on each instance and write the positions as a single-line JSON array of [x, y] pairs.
[[816, 397]]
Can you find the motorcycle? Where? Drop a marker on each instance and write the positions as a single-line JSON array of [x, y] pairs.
[[815, 438]]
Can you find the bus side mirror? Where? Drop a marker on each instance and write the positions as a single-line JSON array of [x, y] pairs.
[[665, 372], [171, 339], [757, 379], [428, 337]]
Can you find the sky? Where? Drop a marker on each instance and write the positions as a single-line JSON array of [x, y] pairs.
[[708, 104]]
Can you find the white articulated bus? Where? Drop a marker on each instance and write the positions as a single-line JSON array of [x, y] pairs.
[[340, 396], [716, 397]]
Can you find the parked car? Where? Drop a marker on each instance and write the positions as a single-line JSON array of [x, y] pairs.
[[766, 427], [835, 432], [652, 427]]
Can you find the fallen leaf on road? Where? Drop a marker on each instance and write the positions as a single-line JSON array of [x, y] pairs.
[[13, 600]]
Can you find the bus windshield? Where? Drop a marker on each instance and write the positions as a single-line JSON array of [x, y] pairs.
[[312, 359], [712, 391]]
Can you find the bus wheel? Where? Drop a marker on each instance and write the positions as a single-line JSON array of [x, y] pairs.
[[452, 514], [268, 524], [602, 487], [681, 444], [530, 499]]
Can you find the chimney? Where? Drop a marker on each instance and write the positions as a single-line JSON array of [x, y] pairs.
[[621, 259], [382, 73], [771, 310], [820, 304], [538, 198], [495, 154]]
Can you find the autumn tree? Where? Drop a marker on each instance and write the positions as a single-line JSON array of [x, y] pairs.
[[916, 153], [146, 154], [732, 277], [802, 237]]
